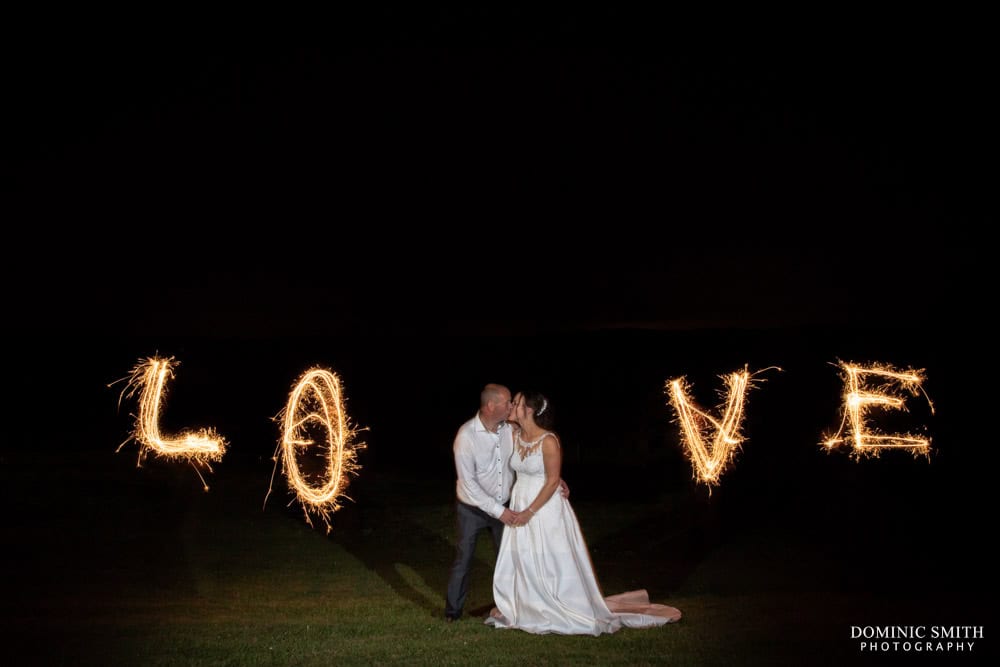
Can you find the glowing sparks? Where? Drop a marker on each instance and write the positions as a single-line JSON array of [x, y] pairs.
[[317, 448], [149, 379], [712, 443], [877, 387]]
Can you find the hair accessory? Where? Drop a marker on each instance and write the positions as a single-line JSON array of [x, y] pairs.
[[545, 404]]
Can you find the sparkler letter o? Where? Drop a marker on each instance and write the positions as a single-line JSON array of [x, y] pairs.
[[315, 405]]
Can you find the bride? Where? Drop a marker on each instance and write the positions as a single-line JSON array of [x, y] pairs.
[[544, 581]]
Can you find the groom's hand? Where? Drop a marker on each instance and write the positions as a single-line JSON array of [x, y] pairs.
[[509, 518]]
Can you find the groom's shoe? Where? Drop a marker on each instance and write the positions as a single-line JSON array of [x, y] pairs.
[[450, 619]]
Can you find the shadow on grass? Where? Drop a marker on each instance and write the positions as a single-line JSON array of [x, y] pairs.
[[403, 531]]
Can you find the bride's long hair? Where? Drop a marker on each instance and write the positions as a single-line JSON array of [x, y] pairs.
[[542, 407]]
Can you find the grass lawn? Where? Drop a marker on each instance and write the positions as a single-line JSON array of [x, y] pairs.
[[113, 565]]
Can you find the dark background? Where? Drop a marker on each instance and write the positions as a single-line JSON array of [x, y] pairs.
[[427, 201], [414, 172], [587, 204]]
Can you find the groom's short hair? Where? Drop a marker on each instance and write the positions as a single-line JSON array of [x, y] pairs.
[[491, 392]]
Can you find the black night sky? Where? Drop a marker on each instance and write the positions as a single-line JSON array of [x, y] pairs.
[[433, 200], [409, 175], [415, 184], [585, 204]]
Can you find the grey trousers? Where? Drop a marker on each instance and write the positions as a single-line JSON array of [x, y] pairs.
[[471, 520]]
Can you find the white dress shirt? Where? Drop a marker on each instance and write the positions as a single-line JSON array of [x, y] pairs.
[[482, 463]]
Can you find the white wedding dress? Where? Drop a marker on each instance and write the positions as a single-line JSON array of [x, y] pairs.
[[544, 581]]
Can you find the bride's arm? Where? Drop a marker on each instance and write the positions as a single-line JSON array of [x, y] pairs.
[[552, 459]]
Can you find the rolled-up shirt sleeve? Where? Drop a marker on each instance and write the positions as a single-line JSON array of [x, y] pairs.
[[468, 485]]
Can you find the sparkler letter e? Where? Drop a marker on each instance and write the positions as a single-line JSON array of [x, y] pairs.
[[858, 400]]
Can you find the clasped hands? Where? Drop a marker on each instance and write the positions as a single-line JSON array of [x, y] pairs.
[[516, 519]]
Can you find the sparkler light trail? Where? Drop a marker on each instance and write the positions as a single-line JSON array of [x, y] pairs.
[[699, 428], [860, 399], [149, 379], [315, 423]]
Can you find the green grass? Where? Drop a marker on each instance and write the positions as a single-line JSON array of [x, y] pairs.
[[114, 565]]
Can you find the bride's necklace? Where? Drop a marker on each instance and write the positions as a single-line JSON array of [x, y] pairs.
[[526, 449]]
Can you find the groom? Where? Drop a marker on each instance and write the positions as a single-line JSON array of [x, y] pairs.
[[483, 448]]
